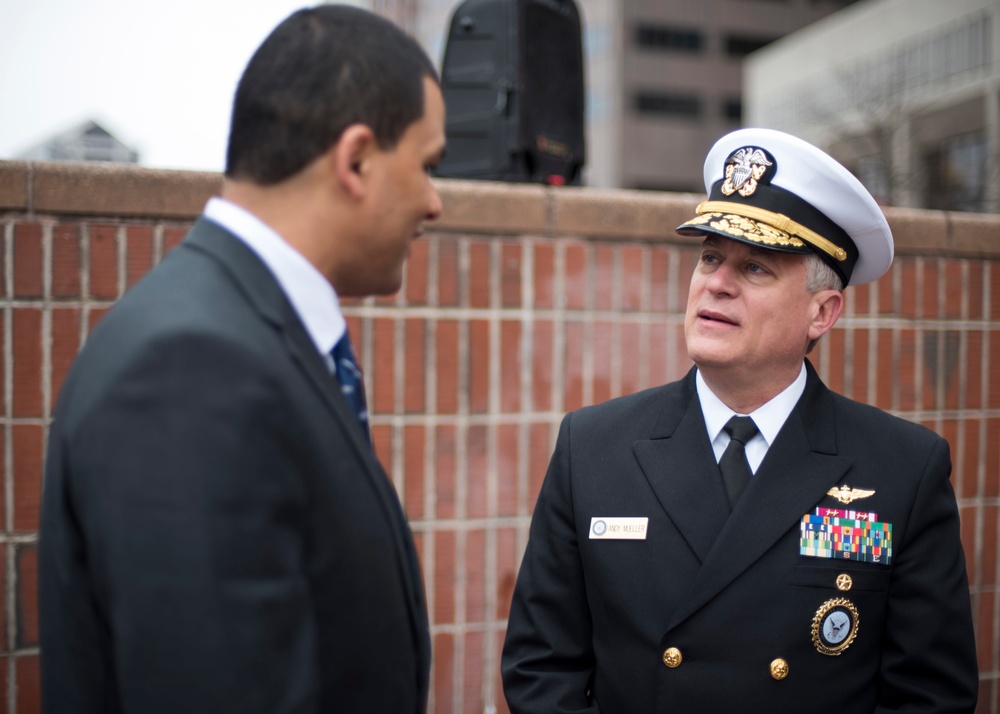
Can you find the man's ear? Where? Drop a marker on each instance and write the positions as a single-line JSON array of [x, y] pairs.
[[351, 159], [827, 306]]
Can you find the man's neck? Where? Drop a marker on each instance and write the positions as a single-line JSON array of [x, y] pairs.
[[745, 394]]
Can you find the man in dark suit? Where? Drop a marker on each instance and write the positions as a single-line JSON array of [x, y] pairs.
[[744, 539], [217, 534]]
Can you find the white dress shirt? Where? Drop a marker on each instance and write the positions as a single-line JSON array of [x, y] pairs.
[[769, 418], [310, 293]]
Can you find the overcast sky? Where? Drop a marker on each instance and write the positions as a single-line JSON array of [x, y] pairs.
[[159, 75]]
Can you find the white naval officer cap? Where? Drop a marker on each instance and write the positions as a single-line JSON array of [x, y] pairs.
[[778, 192]]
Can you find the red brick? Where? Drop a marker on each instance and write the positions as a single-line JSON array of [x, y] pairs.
[[657, 354], [480, 356], [886, 370], [476, 472], [28, 686], [383, 378], [139, 253], [993, 393], [886, 293], [27, 367], [858, 299], [498, 698], [507, 564], [510, 274], [444, 673], [414, 366], [633, 278], [966, 480], [906, 370], [659, 280], [27, 447], [508, 467], [573, 366], [27, 596], [859, 362], [414, 450], [65, 345], [444, 577], [510, 366], [994, 297], [954, 289], [633, 353], [448, 270], [687, 259], [545, 274], [907, 268], [475, 575], [386, 300], [67, 263], [603, 287], [601, 341], [931, 283], [3, 626], [974, 287], [94, 316], [472, 679], [952, 354], [445, 472], [446, 355], [4, 682], [103, 261], [576, 282], [990, 538], [541, 365], [479, 274], [417, 273], [975, 370], [28, 260], [992, 489], [172, 237], [677, 344]]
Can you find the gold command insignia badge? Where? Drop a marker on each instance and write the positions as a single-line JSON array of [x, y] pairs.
[[834, 626], [845, 494], [743, 170]]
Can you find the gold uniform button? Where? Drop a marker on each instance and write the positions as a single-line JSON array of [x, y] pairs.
[[779, 669], [672, 657], [844, 582]]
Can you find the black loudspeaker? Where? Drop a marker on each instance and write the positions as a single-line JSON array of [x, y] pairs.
[[512, 80]]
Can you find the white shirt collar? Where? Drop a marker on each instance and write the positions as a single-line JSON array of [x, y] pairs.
[[309, 292], [769, 418]]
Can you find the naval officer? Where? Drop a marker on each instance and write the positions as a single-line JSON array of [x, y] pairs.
[[745, 539]]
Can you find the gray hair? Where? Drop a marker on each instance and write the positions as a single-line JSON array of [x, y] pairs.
[[820, 276]]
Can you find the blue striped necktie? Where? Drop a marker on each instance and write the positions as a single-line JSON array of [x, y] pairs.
[[352, 385]]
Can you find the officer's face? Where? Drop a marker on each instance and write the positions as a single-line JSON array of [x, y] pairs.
[[749, 318]]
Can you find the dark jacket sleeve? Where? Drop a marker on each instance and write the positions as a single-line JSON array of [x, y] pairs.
[[548, 657], [929, 649]]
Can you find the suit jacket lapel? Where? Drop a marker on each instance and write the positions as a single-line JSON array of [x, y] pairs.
[[800, 466], [264, 292], [679, 465]]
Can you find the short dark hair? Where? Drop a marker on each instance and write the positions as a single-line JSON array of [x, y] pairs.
[[318, 72]]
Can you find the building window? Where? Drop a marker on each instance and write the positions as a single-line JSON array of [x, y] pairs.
[[668, 39], [956, 173], [732, 109], [688, 106], [742, 45]]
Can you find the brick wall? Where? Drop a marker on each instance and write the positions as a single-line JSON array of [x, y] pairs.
[[524, 302]]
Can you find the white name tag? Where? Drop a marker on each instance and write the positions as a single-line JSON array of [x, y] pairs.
[[602, 528]]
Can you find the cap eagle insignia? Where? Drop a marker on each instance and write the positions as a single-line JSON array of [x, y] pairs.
[[845, 494], [743, 170]]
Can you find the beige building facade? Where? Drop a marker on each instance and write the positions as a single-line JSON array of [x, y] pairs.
[[905, 93]]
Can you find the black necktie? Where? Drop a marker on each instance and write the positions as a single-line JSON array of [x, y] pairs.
[[734, 466], [345, 366]]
